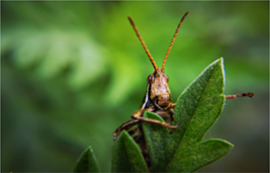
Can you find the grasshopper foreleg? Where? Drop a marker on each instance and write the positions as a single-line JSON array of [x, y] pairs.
[[127, 125], [138, 116]]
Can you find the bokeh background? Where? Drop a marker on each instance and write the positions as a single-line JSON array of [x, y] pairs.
[[72, 72]]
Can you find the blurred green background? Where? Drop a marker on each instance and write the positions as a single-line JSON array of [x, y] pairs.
[[72, 72]]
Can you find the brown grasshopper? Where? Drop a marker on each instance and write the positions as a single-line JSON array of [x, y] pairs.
[[157, 99]]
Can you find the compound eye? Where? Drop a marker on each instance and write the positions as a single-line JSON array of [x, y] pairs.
[[151, 79], [166, 77]]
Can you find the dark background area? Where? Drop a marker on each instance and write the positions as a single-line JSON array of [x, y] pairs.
[[72, 72]]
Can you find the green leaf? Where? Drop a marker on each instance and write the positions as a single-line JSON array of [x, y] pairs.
[[87, 162], [160, 144], [197, 109], [201, 103], [127, 156], [194, 157], [182, 150]]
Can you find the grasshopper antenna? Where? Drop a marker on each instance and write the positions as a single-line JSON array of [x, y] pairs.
[[175, 34], [142, 42]]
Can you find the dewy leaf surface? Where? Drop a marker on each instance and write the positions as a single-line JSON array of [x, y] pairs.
[[197, 109], [87, 162], [127, 155]]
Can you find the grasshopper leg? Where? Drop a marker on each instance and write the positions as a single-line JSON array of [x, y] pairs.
[[127, 125], [173, 105], [138, 116], [239, 95], [158, 122]]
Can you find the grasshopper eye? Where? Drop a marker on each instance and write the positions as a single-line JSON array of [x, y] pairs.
[[151, 79], [166, 77]]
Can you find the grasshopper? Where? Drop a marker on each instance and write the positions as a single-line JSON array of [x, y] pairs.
[[157, 99]]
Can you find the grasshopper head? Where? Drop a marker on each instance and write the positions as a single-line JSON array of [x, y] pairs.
[[159, 91]]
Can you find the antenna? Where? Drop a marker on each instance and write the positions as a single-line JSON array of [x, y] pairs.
[[143, 44], [175, 34]]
